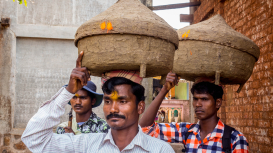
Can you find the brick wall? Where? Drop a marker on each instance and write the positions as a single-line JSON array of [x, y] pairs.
[[250, 111]]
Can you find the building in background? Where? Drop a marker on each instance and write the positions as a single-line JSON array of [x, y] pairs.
[[177, 103], [251, 110]]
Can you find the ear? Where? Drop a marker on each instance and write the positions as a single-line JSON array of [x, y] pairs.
[[218, 103], [93, 101], [141, 107]]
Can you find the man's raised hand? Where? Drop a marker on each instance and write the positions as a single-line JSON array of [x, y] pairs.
[[79, 76], [171, 80]]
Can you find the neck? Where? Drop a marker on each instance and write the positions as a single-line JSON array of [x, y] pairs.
[[123, 137], [83, 117], [208, 125]]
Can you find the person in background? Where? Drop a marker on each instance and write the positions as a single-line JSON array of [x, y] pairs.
[[86, 120], [210, 134]]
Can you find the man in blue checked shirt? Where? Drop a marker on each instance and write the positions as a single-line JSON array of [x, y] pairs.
[[209, 135]]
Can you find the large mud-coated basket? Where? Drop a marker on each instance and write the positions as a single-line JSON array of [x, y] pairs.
[[127, 36], [214, 50]]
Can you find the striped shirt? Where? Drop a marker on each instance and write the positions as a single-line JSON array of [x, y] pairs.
[[39, 137], [212, 143]]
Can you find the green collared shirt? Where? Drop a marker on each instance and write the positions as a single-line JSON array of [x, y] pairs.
[[93, 125]]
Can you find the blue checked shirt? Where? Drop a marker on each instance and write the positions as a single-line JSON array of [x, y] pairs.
[[39, 137], [212, 143]]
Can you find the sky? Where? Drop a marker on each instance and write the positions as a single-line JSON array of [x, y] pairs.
[[172, 16]]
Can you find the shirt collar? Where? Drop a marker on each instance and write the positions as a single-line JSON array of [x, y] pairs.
[[217, 132], [139, 140]]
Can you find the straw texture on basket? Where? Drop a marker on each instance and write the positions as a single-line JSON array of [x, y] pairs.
[[213, 46], [137, 40]]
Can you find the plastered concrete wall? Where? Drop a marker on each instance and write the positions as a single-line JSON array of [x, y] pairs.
[[37, 54], [251, 110]]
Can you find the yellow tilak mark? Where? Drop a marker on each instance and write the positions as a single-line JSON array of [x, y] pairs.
[[114, 95], [77, 95]]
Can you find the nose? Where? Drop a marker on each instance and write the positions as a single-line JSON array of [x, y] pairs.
[[198, 103], [78, 100], [114, 107]]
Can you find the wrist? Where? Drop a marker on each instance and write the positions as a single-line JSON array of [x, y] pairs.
[[69, 90], [164, 89]]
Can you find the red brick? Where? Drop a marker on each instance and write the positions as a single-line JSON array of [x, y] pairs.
[[249, 122], [260, 139], [266, 82], [253, 146], [241, 94], [267, 140], [266, 99], [266, 107], [265, 148], [249, 108], [256, 115], [265, 115], [270, 132], [260, 10], [258, 107], [262, 42], [270, 38], [254, 100], [260, 91], [246, 100], [264, 123], [256, 84], [264, 49]]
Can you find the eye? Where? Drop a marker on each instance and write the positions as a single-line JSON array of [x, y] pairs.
[[74, 97], [123, 101], [107, 101]]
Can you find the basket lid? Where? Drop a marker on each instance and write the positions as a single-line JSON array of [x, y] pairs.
[[216, 30], [128, 17]]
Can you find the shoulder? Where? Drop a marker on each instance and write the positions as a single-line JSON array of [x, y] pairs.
[[238, 140], [237, 135], [159, 144]]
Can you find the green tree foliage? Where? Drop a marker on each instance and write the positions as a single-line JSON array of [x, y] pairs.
[[21, 2]]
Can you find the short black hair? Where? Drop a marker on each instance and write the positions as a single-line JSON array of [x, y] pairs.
[[208, 88], [137, 89]]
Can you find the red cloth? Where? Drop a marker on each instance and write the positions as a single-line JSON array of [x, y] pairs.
[[131, 75]]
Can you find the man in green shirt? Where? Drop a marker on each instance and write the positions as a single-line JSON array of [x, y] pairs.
[[86, 120]]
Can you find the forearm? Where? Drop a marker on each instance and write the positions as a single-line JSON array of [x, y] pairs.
[[150, 114], [39, 129]]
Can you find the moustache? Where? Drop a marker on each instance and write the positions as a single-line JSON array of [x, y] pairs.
[[115, 116], [78, 106]]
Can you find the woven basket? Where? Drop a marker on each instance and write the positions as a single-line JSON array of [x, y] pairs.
[[214, 50], [139, 40]]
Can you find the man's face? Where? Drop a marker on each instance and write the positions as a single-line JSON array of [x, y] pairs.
[[81, 102], [205, 106], [120, 108]]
